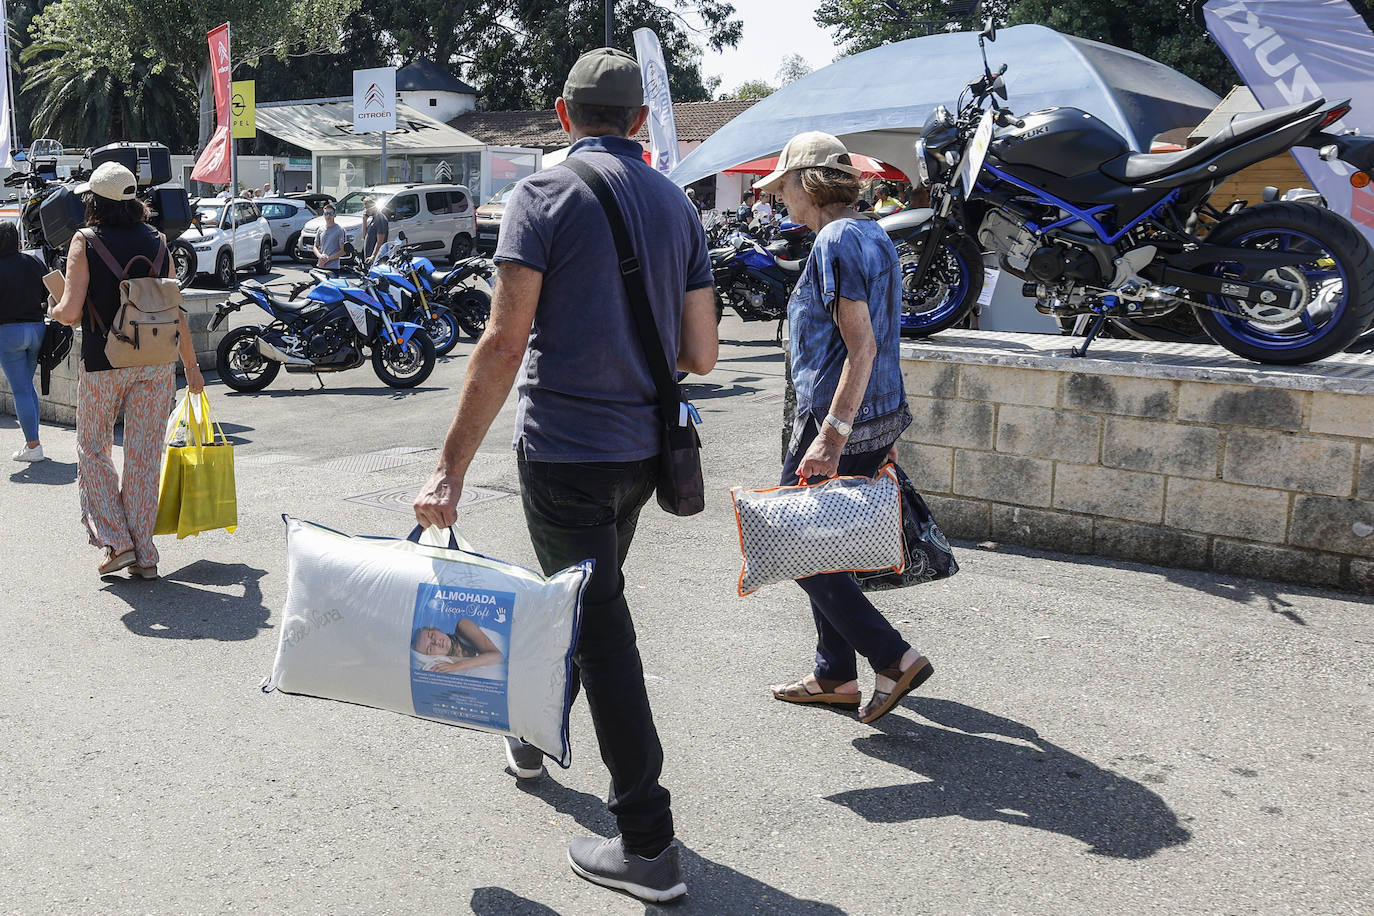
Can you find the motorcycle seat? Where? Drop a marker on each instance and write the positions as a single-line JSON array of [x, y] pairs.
[[278, 302], [791, 267], [1138, 168]]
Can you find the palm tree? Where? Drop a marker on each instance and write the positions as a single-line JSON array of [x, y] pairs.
[[84, 102]]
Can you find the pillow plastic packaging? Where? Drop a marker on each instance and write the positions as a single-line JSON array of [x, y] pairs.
[[432, 631], [844, 524]]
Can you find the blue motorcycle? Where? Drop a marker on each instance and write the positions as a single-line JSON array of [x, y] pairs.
[[336, 326], [1100, 233], [753, 281]]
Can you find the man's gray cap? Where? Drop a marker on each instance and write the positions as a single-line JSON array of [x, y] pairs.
[[605, 76]]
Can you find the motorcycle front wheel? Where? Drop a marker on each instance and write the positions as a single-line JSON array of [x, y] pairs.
[[442, 330], [404, 365], [1333, 285], [240, 365], [947, 293]]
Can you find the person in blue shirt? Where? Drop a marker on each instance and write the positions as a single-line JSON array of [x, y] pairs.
[[588, 425], [845, 320]]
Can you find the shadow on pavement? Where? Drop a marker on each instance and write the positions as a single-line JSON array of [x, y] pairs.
[[377, 391], [173, 607], [711, 887], [706, 391], [497, 901], [50, 473], [1278, 596], [1024, 781]]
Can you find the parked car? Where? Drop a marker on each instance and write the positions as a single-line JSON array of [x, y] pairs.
[[229, 236], [438, 214], [287, 218], [489, 219]]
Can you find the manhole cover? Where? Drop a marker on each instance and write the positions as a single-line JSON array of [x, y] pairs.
[[767, 398], [402, 499], [265, 460], [374, 461]]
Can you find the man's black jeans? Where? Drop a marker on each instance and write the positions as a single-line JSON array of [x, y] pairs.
[[586, 510]]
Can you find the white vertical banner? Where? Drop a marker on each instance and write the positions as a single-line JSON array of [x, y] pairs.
[[6, 115], [662, 125], [374, 100]]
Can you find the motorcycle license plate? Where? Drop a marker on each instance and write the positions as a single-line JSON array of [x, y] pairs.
[[975, 154]]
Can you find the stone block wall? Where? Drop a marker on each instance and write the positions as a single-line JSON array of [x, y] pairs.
[[59, 405], [1166, 454]]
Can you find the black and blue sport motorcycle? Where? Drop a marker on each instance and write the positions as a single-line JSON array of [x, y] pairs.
[[1098, 232]]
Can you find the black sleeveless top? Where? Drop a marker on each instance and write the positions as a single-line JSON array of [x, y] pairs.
[[125, 243]]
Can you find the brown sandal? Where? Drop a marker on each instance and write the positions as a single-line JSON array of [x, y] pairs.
[[905, 682], [800, 692]]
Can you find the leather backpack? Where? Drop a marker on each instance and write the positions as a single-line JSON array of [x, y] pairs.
[[144, 330]]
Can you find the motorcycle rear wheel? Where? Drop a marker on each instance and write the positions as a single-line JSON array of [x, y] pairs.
[[471, 307], [240, 365], [183, 263], [1336, 285], [404, 365], [949, 290]]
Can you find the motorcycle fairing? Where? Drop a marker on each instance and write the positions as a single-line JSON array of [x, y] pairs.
[[406, 329]]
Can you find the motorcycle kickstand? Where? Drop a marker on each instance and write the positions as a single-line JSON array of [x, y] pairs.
[[1093, 331], [319, 378]]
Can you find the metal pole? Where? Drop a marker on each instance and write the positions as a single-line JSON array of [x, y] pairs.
[[383, 157], [230, 207], [610, 13]]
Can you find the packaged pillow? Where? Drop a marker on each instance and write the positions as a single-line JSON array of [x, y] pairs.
[[433, 631], [845, 524]]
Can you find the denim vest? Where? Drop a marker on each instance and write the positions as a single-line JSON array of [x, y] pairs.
[[852, 258]]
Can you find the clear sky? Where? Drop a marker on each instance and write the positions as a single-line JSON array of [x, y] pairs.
[[772, 30]]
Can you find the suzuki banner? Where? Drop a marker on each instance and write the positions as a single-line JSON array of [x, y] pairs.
[[214, 165], [374, 100], [662, 124], [1291, 51]]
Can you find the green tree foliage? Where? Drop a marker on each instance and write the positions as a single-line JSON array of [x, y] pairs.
[[117, 45], [792, 68], [516, 53], [1169, 31], [751, 89]]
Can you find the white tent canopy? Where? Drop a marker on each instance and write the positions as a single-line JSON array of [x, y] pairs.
[[877, 101], [326, 126]]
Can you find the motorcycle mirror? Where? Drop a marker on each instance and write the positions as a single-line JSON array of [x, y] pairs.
[[999, 86], [401, 237], [989, 30]]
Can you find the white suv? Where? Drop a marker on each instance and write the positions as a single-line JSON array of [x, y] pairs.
[[440, 214], [229, 236], [287, 218]]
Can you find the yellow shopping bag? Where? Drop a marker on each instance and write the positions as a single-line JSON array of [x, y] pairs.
[[197, 490]]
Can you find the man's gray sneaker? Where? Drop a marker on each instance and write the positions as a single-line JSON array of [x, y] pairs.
[[525, 760], [606, 862]]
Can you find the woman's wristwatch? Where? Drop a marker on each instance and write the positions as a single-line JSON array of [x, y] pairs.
[[841, 427]]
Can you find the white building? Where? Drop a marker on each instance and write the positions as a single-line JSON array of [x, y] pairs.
[[434, 92]]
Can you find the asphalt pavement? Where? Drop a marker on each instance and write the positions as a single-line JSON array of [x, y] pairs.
[[1099, 737]]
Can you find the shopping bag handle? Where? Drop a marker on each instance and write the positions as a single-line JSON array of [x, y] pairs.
[[202, 432], [435, 535]]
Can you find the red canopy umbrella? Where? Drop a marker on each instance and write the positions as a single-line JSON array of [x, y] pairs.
[[870, 167]]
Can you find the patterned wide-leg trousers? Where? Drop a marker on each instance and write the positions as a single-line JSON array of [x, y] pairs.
[[115, 516]]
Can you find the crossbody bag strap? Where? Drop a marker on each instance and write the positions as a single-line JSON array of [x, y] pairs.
[[669, 398]]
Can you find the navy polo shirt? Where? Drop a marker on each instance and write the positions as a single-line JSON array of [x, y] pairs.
[[585, 389]]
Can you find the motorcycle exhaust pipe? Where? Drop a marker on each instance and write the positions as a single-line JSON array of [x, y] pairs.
[[270, 352]]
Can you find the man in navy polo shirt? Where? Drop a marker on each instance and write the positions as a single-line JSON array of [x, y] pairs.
[[587, 428]]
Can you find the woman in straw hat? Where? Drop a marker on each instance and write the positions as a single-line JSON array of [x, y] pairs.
[[119, 514], [845, 320]]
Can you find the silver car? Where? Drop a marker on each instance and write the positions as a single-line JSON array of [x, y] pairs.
[[287, 218]]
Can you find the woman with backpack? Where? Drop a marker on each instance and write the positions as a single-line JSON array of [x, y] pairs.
[[21, 333], [119, 516]]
